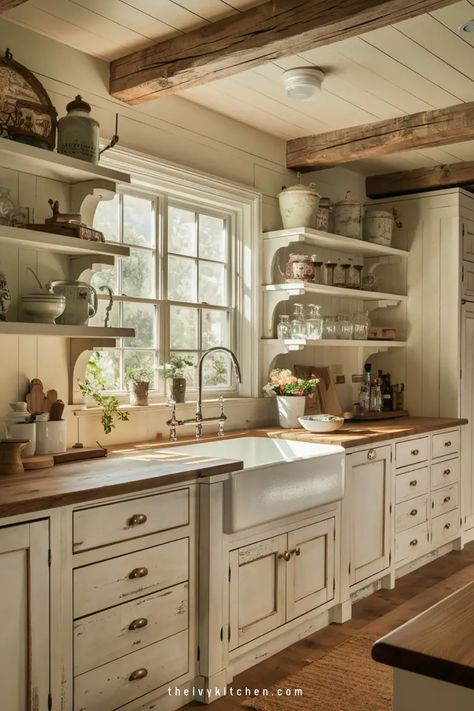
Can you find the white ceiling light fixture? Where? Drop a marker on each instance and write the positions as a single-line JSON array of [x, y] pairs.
[[302, 83], [467, 26]]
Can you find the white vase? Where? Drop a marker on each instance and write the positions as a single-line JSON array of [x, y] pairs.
[[289, 409]]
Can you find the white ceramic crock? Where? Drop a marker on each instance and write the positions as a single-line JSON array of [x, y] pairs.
[[378, 226], [51, 436], [348, 217], [299, 205], [290, 408]]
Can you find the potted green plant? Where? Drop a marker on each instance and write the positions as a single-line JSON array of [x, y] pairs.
[[175, 370], [290, 393], [93, 387], [138, 382]]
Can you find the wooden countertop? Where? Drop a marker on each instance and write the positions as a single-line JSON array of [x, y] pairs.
[[438, 643], [135, 467]]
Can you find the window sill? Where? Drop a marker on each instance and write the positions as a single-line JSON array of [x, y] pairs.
[[163, 406]]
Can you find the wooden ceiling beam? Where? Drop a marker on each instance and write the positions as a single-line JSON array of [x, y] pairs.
[[459, 175], [261, 34], [9, 4], [453, 124]]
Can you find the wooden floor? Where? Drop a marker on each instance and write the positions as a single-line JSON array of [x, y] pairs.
[[379, 613]]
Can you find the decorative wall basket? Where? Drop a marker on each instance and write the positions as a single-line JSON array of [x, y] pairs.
[[26, 112]]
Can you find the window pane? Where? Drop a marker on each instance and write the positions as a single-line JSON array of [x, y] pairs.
[[214, 328], [190, 372], [99, 318], [183, 328], [141, 317], [181, 231], [106, 218], [212, 238], [140, 359], [181, 279], [138, 221], [216, 370], [212, 283], [106, 278], [138, 274], [109, 361]]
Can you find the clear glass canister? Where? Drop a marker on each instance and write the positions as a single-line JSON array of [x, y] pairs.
[[298, 324], [283, 328], [78, 132], [314, 323]]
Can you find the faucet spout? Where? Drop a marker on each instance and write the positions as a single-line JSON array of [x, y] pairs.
[[237, 371]]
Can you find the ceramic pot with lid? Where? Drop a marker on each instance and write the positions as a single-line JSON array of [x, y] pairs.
[[81, 301], [299, 205], [299, 267], [78, 132], [348, 217], [378, 226]]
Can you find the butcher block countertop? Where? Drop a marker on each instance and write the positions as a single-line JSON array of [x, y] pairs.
[[437, 643], [132, 468]]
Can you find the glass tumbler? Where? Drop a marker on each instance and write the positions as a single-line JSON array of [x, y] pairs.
[[283, 328], [344, 327], [329, 328], [298, 324]]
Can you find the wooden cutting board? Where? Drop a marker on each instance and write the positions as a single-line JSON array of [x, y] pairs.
[[79, 454], [326, 400], [40, 461]]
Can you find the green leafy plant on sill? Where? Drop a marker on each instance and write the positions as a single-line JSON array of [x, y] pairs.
[[176, 367], [93, 386]]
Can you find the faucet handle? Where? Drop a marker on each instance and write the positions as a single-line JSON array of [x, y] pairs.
[[221, 403]]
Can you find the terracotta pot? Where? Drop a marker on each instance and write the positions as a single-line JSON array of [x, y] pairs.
[[10, 455], [138, 392], [178, 389]]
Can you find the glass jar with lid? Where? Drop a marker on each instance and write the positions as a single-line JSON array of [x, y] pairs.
[[345, 327], [283, 328], [314, 323], [361, 325], [298, 325]]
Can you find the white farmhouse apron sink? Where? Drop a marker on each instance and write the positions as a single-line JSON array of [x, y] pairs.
[[279, 478]]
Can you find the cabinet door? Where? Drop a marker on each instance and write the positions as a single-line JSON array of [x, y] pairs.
[[467, 410], [24, 611], [468, 240], [310, 571], [257, 589], [468, 280], [368, 478]]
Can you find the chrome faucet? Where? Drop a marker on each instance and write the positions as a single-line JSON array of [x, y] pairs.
[[173, 422]]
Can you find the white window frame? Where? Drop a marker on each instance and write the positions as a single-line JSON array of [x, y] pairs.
[[198, 190]]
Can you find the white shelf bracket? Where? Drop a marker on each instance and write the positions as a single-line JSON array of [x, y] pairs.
[[271, 299], [271, 248], [372, 263], [381, 304], [83, 268], [86, 196], [79, 354]]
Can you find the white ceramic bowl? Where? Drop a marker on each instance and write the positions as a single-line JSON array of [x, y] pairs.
[[321, 423], [43, 307]]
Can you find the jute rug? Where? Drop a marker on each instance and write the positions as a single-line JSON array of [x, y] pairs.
[[345, 679]]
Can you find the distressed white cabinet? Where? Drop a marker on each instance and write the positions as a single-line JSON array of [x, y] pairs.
[[467, 410], [24, 611], [368, 492], [278, 579]]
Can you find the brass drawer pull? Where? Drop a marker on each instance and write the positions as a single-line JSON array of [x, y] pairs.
[[446, 499], [447, 472], [413, 482], [138, 624], [414, 542], [286, 556], [447, 526], [448, 443], [413, 512], [371, 454], [137, 520], [138, 674], [415, 452], [138, 573]]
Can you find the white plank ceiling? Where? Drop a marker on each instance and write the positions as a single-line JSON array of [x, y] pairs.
[[416, 65]]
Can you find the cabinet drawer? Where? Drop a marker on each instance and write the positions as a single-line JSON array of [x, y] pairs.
[[113, 633], [444, 444], [411, 452], [444, 528], [127, 577], [444, 473], [412, 543], [111, 523], [411, 484], [411, 513], [444, 500], [114, 685]]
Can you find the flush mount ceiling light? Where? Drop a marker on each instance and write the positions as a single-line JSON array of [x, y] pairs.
[[302, 83], [467, 26]]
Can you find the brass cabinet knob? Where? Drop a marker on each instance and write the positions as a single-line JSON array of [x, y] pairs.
[[447, 472], [448, 443], [286, 556], [137, 520], [413, 512], [447, 526], [415, 452], [138, 573], [371, 454], [295, 551], [414, 542], [446, 499], [138, 624], [138, 674], [413, 482]]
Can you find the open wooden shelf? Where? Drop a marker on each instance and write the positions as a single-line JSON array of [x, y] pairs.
[[295, 288], [50, 164], [29, 328], [335, 343], [62, 244]]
